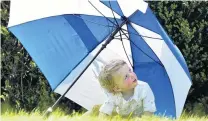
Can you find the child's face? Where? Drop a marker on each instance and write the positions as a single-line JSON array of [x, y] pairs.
[[125, 78]]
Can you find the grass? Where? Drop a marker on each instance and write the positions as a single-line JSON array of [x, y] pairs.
[[58, 115]]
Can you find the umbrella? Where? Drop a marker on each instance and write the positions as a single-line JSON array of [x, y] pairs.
[[70, 41]]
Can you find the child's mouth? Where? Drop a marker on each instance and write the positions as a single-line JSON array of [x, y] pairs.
[[135, 80]]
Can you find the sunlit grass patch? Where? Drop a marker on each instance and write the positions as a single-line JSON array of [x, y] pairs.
[[59, 115]]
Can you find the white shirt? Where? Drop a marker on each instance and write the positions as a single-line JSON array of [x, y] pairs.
[[142, 100]]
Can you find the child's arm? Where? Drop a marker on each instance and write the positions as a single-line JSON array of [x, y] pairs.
[[107, 108], [106, 115]]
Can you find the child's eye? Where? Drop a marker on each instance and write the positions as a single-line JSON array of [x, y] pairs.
[[126, 77]]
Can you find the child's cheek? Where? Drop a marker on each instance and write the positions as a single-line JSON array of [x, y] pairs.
[[128, 82]]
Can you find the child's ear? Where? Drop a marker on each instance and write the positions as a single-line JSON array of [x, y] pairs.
[[116, 89]]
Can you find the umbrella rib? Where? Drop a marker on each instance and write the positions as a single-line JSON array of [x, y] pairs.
[[93, 22], [125, 49], [119, 38], [140, 35], [113, 14], [108, 25], [141, 49], [119, 35], [102, 13]]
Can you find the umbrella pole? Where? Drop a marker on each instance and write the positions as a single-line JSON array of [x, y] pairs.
[[109, 39]]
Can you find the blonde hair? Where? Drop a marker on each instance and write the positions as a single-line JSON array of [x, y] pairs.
[[106, 75]]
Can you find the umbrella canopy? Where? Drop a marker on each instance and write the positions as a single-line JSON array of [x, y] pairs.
[[62, 37]]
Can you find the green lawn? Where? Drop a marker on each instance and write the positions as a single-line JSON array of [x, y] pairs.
[[60, 116]]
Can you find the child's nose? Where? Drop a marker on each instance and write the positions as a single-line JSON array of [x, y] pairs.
[[132, 75]]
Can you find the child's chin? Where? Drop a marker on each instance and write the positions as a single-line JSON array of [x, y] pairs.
[[135, 81], [135, 84]]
